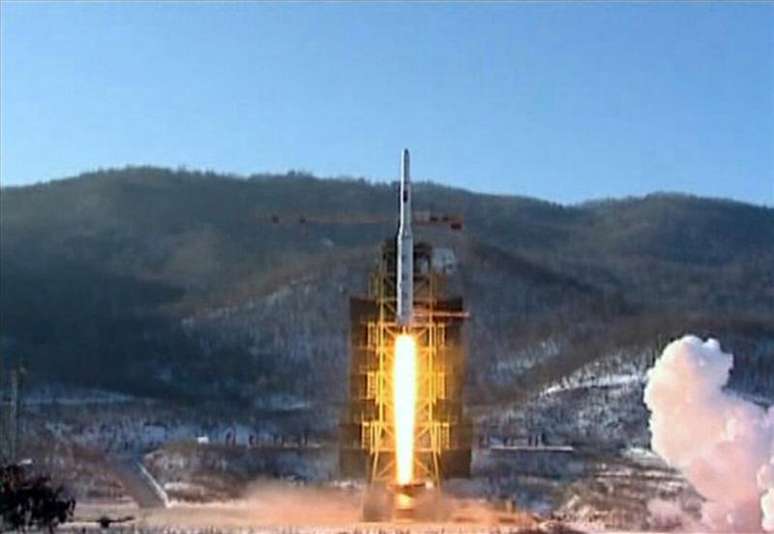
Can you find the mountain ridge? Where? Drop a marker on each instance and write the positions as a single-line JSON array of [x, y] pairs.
[[302, 174], [107, 267]]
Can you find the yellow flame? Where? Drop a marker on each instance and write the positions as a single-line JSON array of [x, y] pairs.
[[404, 384]]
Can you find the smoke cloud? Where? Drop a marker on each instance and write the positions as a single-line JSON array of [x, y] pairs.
[[721, 443]]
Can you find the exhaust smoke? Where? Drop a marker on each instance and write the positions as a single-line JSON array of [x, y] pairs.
[[721, 443]]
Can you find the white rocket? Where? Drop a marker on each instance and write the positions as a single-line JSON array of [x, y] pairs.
[[405, 250]]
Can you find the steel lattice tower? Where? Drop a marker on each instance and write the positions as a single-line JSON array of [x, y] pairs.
[[442, 435]]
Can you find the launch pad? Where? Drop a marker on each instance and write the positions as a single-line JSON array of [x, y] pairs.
[[405, 303]]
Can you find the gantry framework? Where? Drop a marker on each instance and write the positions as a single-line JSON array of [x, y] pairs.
[[442, 436]]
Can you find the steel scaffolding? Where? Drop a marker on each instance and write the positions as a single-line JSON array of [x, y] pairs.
[[442, 437]]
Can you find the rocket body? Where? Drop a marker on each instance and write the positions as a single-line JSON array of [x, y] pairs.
[[405, 249]]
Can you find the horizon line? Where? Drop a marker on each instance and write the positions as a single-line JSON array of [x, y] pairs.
[[300, 172]]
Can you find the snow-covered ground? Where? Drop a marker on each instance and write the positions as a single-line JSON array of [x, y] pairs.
[[69, 396], [604, 381], [576, 450]]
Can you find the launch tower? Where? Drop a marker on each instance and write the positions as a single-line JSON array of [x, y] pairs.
[[442, 434]]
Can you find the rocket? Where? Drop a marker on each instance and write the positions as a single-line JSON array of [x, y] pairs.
[[405, 250]]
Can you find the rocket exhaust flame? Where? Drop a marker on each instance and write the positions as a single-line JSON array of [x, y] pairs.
[[404, 410]]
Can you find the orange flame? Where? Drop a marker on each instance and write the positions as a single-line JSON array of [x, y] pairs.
[[405, 399]]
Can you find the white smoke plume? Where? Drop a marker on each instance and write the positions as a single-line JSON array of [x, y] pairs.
[[722, 444]]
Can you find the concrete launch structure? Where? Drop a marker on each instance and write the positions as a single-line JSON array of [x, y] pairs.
[[406, 353]]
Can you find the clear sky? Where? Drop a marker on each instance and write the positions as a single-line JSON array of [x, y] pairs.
[[561, 101]]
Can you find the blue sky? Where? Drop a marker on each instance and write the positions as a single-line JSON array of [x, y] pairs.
[[565, 102]]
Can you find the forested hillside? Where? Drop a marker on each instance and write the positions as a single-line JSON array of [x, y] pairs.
[[195, 286]]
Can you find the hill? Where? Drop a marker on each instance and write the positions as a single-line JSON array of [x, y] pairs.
[[197, 286]]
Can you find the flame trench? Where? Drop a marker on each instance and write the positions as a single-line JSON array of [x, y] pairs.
[[405, 400]]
